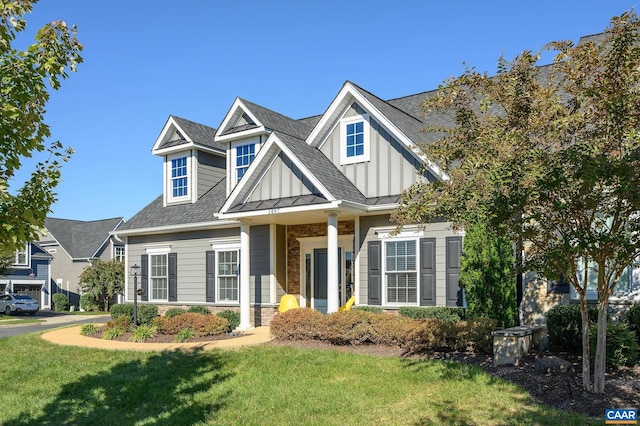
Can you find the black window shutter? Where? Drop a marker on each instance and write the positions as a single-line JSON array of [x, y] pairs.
[[173, 277], [375, 273], [454, 250], [211, 276], [144, 275], [427, 271]]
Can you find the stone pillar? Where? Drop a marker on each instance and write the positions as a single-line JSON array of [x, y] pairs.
[[245, 288], [332, 263]]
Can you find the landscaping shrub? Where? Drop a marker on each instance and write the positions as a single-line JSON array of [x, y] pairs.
[[201, 325], [390, 330], [88, 329], [143, 333], [348, 327], [632, 319], [298, 324], [622, 348], [564, 326], [60, 302], [373, 309], [146, 314], [442, 313], [184, 335], [174, 312], [114, 329], [123, 309], [472, 335], [232, 316], [87, 303], [198, 309], [424, 335]]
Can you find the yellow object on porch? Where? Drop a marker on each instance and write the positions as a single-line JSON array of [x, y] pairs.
[[288, 301], [347, 306]]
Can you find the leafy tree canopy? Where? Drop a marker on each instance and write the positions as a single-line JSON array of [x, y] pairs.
[[27, 76], [550, 155], [102, 280]]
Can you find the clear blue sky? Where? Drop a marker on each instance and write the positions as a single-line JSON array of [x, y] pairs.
[[147, 59]]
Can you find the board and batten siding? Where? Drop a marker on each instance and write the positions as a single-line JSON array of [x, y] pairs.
[[391, 167], [191, 248], [211, 170], [283, 179], [438, 230]]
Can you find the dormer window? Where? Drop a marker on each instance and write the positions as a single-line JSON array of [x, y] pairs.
[[244, 157], [354, 139], [178, 169]]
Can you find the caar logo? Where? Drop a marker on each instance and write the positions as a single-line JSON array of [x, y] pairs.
[[622, 416]]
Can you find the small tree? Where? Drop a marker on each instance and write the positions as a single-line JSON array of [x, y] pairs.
[[102, 280], [27, 76], [488, 276], [552, 157]]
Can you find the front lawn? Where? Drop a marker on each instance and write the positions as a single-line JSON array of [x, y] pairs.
[[48, 384]]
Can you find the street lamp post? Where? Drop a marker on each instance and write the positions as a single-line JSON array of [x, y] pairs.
[[134, 272]]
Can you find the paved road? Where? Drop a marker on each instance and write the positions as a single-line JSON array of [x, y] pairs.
[[51, 320]]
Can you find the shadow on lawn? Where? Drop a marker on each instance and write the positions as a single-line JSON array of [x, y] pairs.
[[168, 388]]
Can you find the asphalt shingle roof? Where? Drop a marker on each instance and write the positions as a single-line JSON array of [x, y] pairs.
[[275, 121], [199, 133], [81, 239]]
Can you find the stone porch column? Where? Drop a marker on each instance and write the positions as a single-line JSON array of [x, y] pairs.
[[245, 293], [332, 263]]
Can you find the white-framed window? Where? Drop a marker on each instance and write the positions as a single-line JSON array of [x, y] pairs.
[[401, 274], [22, 256], [354, 139], [118, 253], [244, 156], [628, 284], [158, 276], [227, 275], [178, 172]]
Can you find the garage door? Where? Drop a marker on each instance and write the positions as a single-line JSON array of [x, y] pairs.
[[29, 290]]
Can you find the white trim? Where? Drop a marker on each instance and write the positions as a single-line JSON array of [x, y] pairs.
[[225, 243], [222, 249], [182, 227], [356, 259], [157, 249], [383, 265], [95, 254], [407, 232], [365, 156], [168, 182], [226, 123]]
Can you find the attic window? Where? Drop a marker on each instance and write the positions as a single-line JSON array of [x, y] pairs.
[[178, 177], [244, 157], [354, 139]]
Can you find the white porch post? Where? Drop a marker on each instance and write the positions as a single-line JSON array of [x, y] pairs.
[[245, 306], [332, 263]]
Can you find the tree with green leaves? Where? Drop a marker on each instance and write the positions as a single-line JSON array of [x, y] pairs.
[[551, 156], [27, 77], [487, 274], [102, 280]]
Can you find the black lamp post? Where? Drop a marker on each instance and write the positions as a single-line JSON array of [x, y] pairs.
[[134, 272]]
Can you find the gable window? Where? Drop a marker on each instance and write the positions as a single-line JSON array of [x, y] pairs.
[[119, 253], [22, 256], [244, 157], [401, 272], [158, 276], [179, 179], [227, 275], [354, 139]]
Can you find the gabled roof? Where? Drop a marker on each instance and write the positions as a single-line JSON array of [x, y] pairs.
[[155, 216], [82, 239], [179, 133]]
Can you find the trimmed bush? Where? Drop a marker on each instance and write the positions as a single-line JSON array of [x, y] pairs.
[[146, 313], [564, 326], [443, 313], [87, 303], [298, 324], [123, 309], [373, 309], [201, 325], [424, 335], [143, 333], [632, 319], [60, 302], [348, 328], [390, 330], [232, 316], [198, 309], [174, 312], [472, 335], [622, 348]]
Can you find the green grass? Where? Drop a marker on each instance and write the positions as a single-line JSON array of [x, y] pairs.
[[8, 320], [255, 386]]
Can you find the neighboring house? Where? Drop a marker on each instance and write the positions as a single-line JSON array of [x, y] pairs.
[[267, 205], [30, 274], [73, 245]]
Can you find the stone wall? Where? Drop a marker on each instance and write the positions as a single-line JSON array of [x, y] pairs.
[[537, 301]]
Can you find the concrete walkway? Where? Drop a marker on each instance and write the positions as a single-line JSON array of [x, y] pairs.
[[70, 336]]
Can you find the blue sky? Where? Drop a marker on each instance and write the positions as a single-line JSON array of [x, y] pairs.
[[145, 60]]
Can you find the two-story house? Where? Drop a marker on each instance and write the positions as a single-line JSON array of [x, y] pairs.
[[74, 244], [29, 274], [267, 205]]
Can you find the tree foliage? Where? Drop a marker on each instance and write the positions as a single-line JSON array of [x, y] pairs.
[[550, 155], [27, 76], [487, 274], [102, 280]]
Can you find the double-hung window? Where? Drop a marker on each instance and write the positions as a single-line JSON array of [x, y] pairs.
[[227, 275], [118, 253], [354, 139], [179, 178], [401, 271], [244, 157], [158, 276], [22, 256]]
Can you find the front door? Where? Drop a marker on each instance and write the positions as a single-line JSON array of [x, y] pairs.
[[320, 279]]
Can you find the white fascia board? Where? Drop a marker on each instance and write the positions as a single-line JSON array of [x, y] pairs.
[[109, 235], [260, 130], [188, 146], [332, 205], [218, 224], [226, 121], [335, 104], [167, 127]]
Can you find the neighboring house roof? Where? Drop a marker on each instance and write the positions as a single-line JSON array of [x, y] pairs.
[[81, 239]]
